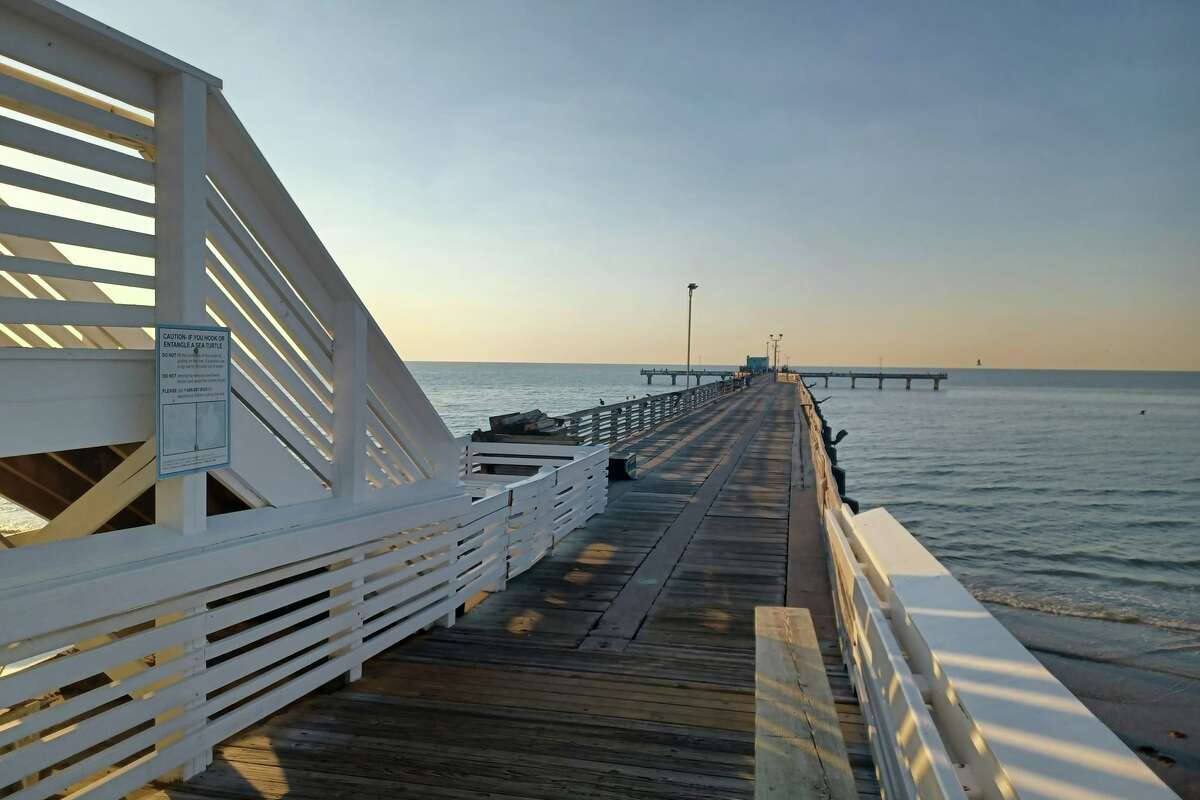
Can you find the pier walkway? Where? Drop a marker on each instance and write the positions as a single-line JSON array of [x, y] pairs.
[[620, 666]]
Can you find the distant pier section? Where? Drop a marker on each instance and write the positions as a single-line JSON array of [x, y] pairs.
[[879, 377], [675, 373]]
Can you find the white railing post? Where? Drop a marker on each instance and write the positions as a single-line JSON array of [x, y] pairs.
[[180, 279], [180, 503], [350, 443], [350, 402]]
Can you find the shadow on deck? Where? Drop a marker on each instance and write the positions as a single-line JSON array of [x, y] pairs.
[[621, 666]]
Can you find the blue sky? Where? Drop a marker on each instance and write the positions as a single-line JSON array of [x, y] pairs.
[[923, 183]]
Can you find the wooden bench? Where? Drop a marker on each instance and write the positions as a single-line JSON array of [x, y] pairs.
[[798, 747]]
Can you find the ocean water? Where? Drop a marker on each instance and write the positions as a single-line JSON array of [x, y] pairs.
[[467, 394]]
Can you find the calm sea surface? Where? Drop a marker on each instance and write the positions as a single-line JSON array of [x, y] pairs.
[[1049, 494]]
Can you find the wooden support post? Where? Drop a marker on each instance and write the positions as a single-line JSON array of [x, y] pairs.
[[936, 381], [180, 193], [674, 379], [649, 378], [826, 381], [881, 384], [908, 384], [350, 442], [852, 381]]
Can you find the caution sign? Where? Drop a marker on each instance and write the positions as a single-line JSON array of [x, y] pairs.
[[192, 379]]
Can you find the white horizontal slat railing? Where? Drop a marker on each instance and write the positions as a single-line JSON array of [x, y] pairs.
[[612, 423], [551, 490], [77, 173]]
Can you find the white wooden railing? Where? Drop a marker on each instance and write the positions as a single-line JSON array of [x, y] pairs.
[[130, 195], [955, 706], [609, 424], [557, 489]]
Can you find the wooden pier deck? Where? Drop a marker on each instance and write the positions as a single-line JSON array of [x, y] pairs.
[[621, 666]]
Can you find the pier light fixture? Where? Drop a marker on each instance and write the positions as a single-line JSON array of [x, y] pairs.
[[775, 339], [691, 287]]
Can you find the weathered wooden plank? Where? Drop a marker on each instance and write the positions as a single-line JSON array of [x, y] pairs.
[[798, 748]]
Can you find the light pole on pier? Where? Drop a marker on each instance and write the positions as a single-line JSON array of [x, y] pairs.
[[691, 288], [775, 339]]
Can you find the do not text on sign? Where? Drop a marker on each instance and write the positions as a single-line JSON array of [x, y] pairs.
[[192, 379]]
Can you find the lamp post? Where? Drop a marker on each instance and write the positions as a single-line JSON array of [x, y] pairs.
[[775, 339], [691, 288]]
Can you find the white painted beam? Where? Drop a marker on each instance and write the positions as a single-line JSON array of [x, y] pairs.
[[180, 503], [107, 398], [350, 401], [42, 142]]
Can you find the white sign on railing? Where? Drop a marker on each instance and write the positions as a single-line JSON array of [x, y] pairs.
[[192, 383]]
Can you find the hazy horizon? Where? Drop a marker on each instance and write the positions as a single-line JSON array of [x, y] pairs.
[[814, 366], [537, 182]]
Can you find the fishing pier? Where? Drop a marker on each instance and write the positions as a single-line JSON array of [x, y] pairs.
[[676, 373], [908, 377], [269, 570]]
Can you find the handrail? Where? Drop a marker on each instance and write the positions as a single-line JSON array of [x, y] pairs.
[[913, 760], [608, 424]]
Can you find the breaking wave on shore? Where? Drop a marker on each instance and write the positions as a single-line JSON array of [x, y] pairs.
[[1059, 609]]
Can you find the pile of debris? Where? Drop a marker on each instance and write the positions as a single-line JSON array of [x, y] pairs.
[[527, 427]]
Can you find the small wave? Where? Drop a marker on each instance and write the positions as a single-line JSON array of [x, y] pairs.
[[992, 550], [1130, 618], [1158, 524], [1120, 580]]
